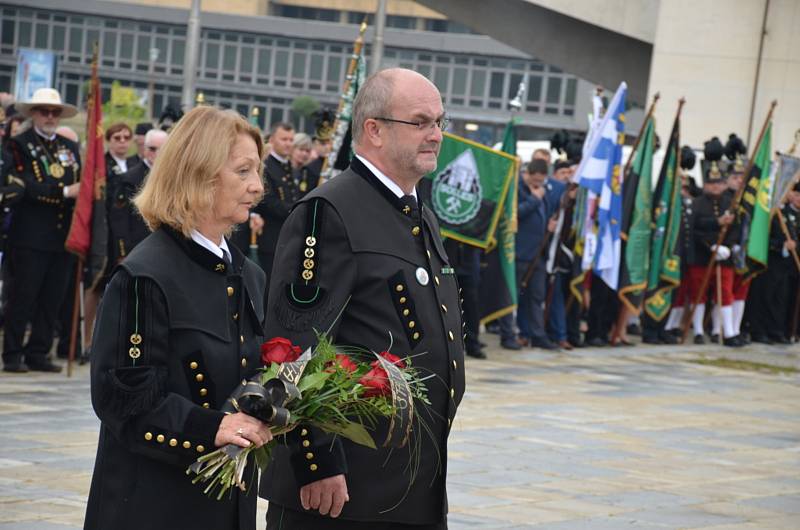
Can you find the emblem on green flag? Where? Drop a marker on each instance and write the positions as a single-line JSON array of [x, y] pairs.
[[468, 189], [457, 190]]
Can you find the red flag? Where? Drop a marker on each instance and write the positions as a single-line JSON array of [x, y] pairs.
[[83, 232]]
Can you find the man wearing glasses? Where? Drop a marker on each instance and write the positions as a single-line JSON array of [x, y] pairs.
[[361, 244], [118, 137], [48, 165]]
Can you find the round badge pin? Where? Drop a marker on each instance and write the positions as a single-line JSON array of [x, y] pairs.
[[422, 276]]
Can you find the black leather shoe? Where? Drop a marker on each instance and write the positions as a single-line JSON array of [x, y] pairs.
[[733, 342], [44, 366], [668, 338], [477, 354], [596, 342], [544, 344], [763, 339], [16, 368], [715, 338], [650, 339], [699, 339], [781, 340], [510, 345]]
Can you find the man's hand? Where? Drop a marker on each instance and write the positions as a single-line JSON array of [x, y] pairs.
[[327, 495], [538, 191], [552, 224], [790, 245], [725, 219], [256, 223], [72, 190]]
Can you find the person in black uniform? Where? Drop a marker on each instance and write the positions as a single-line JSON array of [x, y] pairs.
[[711, 214], [119, 137], [281, 192], [126, 228], [305, 174], [323, 139], [773, 295], [684, 247], [49, 166], [179, 329], [363, 245]]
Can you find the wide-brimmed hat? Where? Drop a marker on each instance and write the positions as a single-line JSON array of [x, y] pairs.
[[46, 97]]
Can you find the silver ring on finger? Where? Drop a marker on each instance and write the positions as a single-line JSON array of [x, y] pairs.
[[240, 431]]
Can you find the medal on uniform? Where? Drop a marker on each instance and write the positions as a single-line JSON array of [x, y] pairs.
[[422, 276], [303, 185], [56, 170]]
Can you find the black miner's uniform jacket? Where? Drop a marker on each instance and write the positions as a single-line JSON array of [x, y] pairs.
[[126, 227], [353, 238], [706, 228], [41, 220], [197, 324]]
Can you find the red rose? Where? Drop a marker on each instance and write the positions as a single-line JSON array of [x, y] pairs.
[[376, 383], [345, 362], [394, 359], [279, 350]]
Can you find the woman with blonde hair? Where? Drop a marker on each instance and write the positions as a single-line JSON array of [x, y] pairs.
[[179, 328]]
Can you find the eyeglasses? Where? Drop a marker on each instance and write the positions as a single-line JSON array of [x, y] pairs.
[[441, 123], [48, 111], [120, 138]]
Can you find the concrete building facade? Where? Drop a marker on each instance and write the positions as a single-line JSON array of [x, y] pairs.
[[266, 62]]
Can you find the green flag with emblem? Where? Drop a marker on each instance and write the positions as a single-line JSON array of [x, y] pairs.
[[468, 189], [665, 264], [637, 216], [758, 237]]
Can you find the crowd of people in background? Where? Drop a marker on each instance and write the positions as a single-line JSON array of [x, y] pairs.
[[41, 179]]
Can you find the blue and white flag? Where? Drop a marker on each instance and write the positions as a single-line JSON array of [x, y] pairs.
[[600, 172], [604, 145]]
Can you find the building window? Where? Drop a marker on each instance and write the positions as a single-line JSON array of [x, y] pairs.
[[306, 13], [400, 22]]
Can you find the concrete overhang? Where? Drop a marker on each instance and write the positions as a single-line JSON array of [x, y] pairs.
[[602, 41]]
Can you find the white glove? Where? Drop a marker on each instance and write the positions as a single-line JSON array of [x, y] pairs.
[[721, 253]]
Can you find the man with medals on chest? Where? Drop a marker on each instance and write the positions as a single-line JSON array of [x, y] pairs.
[[361, 255], [280, 194], [49, 167], [712, 212]]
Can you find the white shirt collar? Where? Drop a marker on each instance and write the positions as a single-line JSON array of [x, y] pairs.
[[43, 135], [386, 181], [206, 243], [121, 162], [279, 158]]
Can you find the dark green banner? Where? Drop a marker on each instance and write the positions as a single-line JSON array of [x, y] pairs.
[[468, 189]]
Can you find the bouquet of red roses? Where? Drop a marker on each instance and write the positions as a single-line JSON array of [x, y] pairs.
[[342, 391]]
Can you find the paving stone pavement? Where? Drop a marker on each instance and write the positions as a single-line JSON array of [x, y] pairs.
[[628, 438]]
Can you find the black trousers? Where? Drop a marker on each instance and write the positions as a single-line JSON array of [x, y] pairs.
[[34, 296], [280, 518], [771, 299], [603, 310], [64, 324], [469, 282]]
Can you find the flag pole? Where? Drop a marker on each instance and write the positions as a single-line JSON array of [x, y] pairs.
[[358, 44], [785, 230], [73, 335], [687, 317], [618, 333]]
